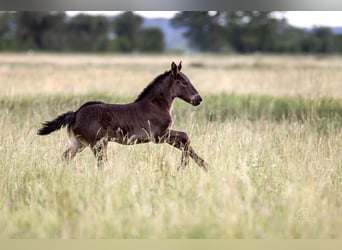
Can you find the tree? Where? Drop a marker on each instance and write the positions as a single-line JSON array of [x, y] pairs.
[[7, 33], [127, 27], [338, 43], [130, 36], [324, 38], [250, 31], [32, 26], [243, 31], [5, 21], [204, 29], [87, 33], [151, 40], [288, 39], [54, 31]]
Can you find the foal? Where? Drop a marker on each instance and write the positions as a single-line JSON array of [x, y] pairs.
[[147, 119]]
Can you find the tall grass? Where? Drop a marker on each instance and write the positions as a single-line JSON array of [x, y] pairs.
[[269, 127], [275, 171]]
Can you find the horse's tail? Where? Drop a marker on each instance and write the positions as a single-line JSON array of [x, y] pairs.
[[61, 121]]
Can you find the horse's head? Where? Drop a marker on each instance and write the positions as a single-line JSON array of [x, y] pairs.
[[182, 87]]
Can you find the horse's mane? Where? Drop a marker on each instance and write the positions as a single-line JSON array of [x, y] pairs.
[[148, 88]]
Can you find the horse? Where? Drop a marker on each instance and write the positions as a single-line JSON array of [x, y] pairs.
[[147, 119]]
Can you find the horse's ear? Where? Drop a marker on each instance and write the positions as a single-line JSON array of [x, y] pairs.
[[174, 69], [180, 66]]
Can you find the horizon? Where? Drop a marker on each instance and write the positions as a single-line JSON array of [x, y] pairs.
[[301, 19]]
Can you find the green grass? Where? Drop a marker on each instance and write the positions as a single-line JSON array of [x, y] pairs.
[[215, 108], [275, 172]]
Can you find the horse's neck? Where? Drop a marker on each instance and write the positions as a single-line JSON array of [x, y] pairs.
[[163, 102], [160, 97]]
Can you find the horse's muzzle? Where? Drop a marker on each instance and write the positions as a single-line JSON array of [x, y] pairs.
[[196, 100]]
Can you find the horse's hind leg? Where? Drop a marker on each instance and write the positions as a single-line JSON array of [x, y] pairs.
[[71, 152], [181, 141], [76, 145], [100, 151]]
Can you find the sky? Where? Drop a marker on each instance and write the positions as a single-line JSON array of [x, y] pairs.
[[303, 19], [314, 18]]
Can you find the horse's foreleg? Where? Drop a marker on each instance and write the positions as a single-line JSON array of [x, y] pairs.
[[181, 141], [197, 159]]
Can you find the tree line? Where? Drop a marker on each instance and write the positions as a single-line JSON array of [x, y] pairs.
[[206, 31], [55, 31], [253, 31]]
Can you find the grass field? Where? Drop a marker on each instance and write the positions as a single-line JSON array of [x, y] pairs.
[[269, 127]]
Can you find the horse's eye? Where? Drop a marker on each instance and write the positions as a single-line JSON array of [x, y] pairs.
[[184, 83]]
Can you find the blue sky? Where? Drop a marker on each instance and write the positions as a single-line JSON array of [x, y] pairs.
[[295, 18]]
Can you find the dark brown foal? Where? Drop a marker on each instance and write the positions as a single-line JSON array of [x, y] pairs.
[[147, 119]]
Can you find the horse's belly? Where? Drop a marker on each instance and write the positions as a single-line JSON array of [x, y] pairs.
[[129, 137]]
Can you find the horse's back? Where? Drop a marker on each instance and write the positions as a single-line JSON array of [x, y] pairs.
[[94, 119]]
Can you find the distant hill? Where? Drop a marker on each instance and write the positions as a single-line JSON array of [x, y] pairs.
[[174, 38], [336, 30]]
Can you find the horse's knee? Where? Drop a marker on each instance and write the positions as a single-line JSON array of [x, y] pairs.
[[184, 139], [179, 139], [100, 150]]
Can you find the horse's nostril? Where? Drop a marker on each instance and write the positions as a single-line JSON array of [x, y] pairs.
[[196, 100], [199, 98]]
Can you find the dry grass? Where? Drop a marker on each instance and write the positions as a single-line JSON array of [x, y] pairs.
[[267, 179], [308, 76]]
